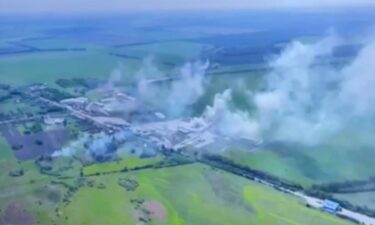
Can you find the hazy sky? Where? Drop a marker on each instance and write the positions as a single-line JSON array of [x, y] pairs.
[[31, 6]]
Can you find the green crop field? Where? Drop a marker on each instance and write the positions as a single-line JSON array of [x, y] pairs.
[[183, 195], [49, 66], [175, 52], [191, 194], [128, 162], [332, 161], [53, 43], [364, 199], [9, 163]]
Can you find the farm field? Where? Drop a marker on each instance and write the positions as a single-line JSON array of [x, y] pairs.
[[364, 199], [9, 163], [128, 162], [312, 165], [179, 195], [186, 195], [48, 67], [170, 53]]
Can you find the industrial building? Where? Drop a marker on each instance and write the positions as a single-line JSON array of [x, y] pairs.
[[331, 206]]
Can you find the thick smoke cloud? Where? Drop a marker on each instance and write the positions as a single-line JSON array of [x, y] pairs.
[[186, 87], [357, 89], [306, 101], [230, 122], [101, 146]]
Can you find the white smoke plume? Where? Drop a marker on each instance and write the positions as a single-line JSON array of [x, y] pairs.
[[72, 148], [184, 89], [187, 89], [230, 122], [304, 100], [307, 102]]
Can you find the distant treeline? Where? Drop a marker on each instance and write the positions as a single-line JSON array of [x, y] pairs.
[[172, 160], [79, 82], [348, 186], [11, 51], [55, 94], [220, 162]]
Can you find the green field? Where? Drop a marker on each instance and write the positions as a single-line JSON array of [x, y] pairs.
[[347, 156], [128, 162], [364, 199], [50, 66], [53, 43], [191, 194], [175, 52], [16, 188], [12, 105]]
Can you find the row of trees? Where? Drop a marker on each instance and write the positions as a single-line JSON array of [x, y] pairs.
[[220, 162], [354, 186], [79, 82]]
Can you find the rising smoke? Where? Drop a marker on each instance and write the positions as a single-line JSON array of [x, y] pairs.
[[188, 89], [306, 101], [174, 99], [230, 122], [306, 98]]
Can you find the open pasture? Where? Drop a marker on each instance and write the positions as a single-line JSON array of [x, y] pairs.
[[188, 195]]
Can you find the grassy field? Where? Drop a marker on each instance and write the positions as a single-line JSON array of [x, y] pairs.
[[53, 43], [9, 163], [364, 199], [48, 67], [347, 156], [186, 194], [174, 52], [129, 162], [11, 105], [191, 194]]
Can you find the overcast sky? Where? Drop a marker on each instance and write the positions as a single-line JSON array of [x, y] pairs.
[[66, 6]]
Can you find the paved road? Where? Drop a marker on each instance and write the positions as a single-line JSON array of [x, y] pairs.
[[317, 203]]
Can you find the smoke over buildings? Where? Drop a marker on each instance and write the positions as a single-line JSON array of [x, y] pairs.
[[229, 122], [306, 99], [174, 97]]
